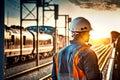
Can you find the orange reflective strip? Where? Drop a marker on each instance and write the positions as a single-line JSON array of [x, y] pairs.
[[56, 62], [77, 72]]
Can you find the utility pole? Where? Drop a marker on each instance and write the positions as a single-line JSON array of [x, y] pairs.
[[23, 4], [67, 20], [38, 3], [47, 7]]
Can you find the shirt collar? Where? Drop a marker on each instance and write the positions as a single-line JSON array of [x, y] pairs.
[[79, 43]]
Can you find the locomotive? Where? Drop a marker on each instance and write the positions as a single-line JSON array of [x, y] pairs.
[[29, 39]]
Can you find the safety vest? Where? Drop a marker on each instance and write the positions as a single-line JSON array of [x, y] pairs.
[[73, 72]]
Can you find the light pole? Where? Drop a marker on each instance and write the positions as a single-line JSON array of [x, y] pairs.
[[67, 20]]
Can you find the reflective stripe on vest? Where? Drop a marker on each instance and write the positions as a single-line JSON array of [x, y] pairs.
[[56, 62], [77, 72]]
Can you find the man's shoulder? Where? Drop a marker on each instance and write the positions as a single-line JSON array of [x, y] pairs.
[[62, 50], [84, 50], [65, 48]]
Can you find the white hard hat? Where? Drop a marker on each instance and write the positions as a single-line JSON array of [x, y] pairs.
[[80, 24]]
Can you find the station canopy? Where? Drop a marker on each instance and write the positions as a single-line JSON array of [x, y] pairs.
[[44, 29]]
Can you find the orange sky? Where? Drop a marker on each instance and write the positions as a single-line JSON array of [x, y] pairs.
[[103, 21]]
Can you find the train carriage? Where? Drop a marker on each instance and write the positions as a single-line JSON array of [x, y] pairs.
[[29, 39]]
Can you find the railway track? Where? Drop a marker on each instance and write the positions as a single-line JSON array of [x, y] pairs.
[[28, 70], [24, 62], [103, 53], [12, 72]]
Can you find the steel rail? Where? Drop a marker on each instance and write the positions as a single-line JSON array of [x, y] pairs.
[[102, 58], [96, 46], [28, 70], [111, 66], [105, 60], [95, 49], [103, 52], [101, 49], [45, 77]]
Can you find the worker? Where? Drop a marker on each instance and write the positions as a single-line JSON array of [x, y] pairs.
[[77, 61]]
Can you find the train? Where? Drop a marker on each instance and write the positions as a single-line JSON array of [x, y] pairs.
[[29, 43]]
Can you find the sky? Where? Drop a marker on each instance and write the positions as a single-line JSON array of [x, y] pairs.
[[102, 21]]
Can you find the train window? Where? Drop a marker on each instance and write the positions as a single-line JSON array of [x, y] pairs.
[[12, 38], [24, 40], [49, 41], [45, 42]]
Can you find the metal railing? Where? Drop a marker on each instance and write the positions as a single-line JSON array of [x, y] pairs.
[[111, 66]]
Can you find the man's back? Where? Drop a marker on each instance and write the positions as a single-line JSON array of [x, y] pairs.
[[73, 63]]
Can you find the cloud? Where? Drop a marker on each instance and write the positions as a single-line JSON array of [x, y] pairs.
[[97, 4]]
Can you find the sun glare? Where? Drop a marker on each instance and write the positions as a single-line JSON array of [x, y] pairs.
[[96, 35], [97, 38]]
